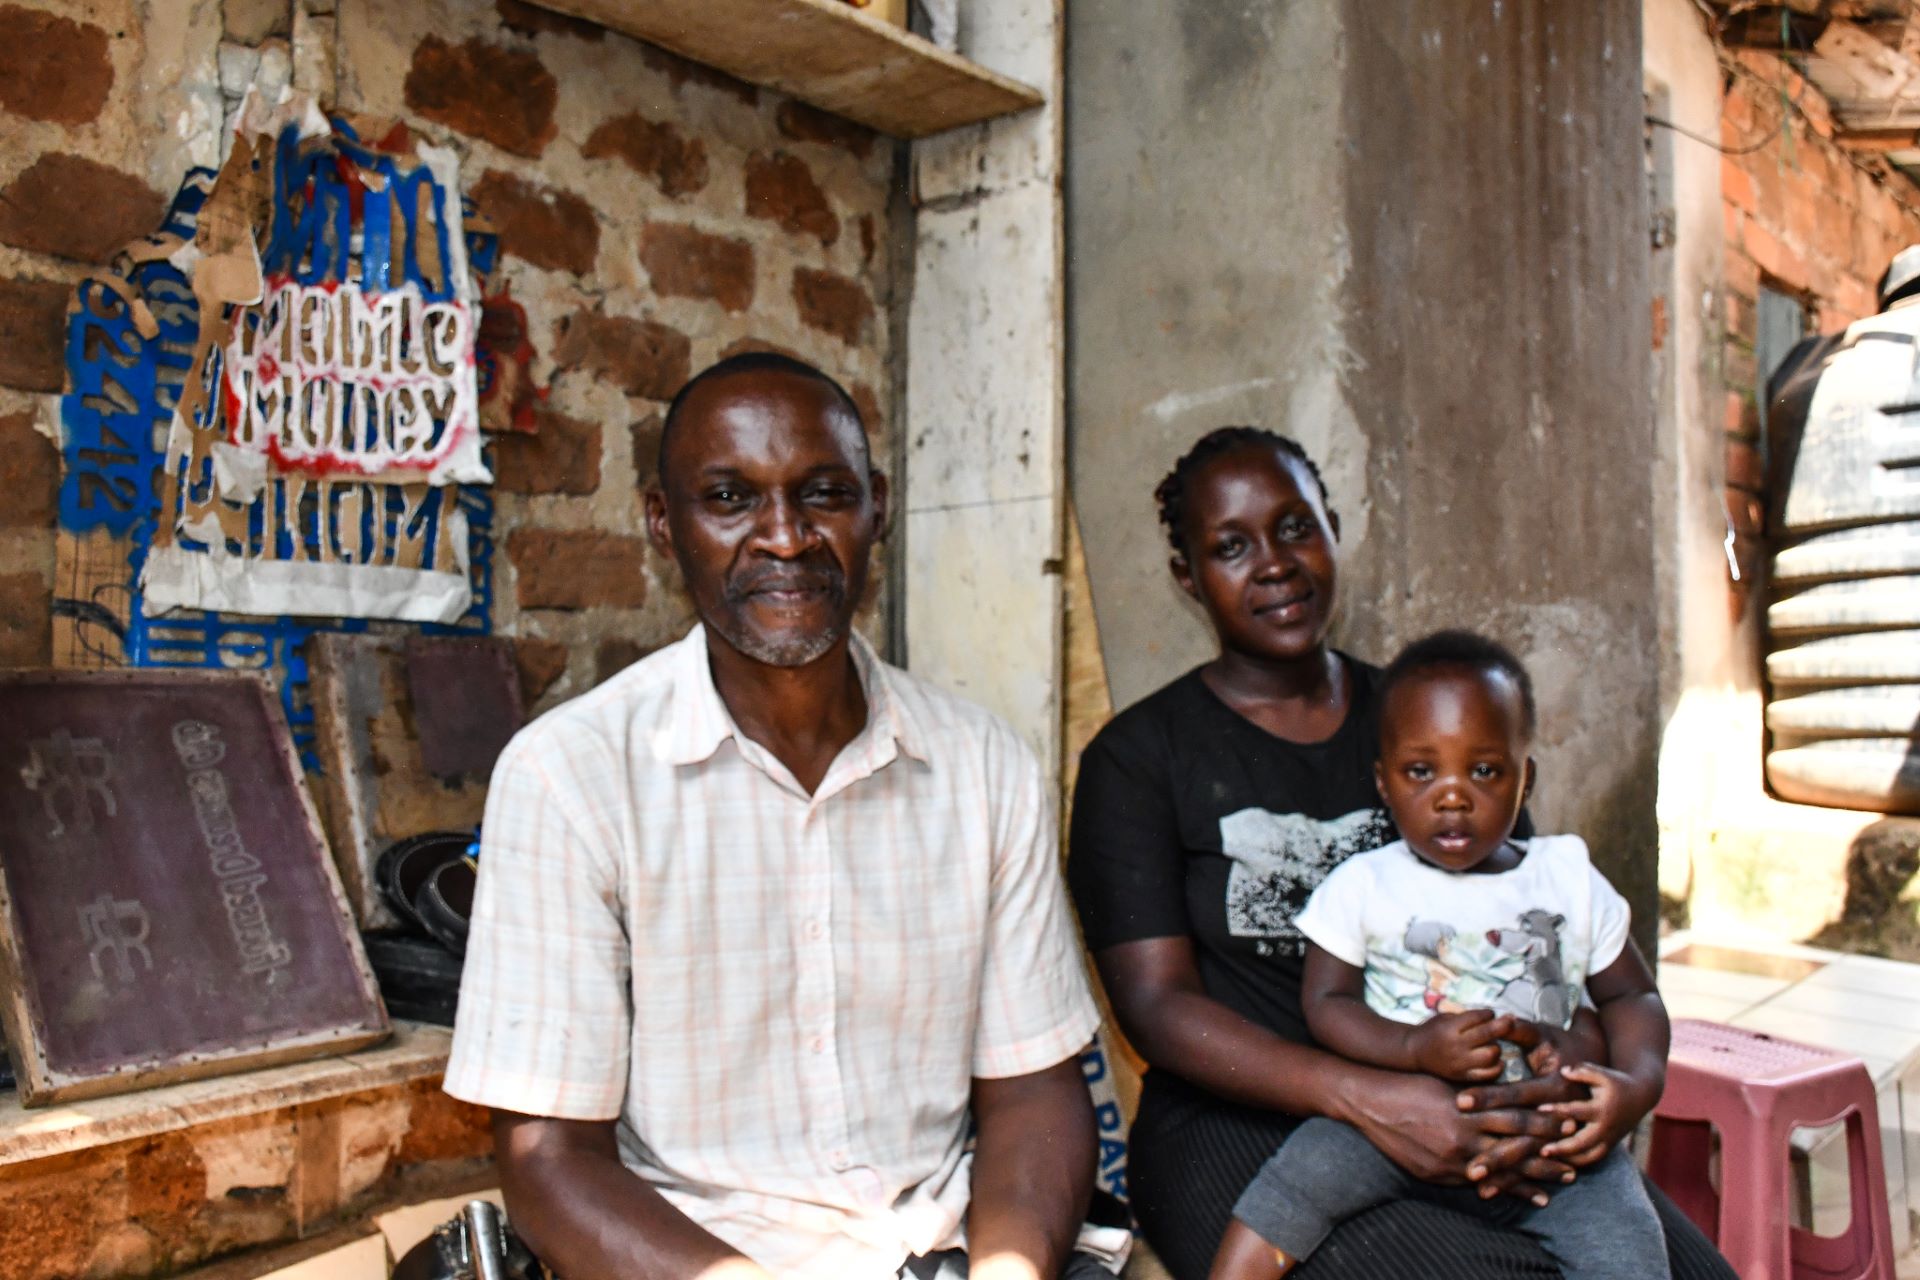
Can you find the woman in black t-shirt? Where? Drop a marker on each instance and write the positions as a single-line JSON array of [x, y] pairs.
[[1203, 818]]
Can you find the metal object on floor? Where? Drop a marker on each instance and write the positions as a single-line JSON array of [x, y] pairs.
[[476, 1245]]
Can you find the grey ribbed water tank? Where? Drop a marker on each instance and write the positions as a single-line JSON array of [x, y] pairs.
[[1843, 622]]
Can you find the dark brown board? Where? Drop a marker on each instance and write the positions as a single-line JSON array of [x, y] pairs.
[[466, 701], [374, 784], [168, 909]]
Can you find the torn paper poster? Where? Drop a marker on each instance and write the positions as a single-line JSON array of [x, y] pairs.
[[126, 378], [333, 398], [329, 548], [356, 357]]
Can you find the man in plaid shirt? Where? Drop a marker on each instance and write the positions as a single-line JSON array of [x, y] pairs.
[[767, 927]]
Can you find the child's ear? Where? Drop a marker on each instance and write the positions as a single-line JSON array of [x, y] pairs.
[[1380, 780], [1526, 789]]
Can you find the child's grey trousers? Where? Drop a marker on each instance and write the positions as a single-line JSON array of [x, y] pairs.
[[1601, 1226]]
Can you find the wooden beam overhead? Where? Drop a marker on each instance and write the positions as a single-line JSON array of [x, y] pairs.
[[824, 52], [1878, 141], [1772, 27]]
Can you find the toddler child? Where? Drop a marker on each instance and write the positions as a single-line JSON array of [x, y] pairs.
[[1423, 952]]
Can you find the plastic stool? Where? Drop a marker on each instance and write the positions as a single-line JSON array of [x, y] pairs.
[[1757, 1089]]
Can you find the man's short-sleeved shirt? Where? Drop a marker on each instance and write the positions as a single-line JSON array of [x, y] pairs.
[[782, 998]]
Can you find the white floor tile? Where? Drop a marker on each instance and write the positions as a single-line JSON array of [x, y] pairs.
[[1854, 1005], [1687, 1004], [1719, 983], [1866, 973]]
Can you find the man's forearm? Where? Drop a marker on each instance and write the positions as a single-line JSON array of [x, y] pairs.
[[588, 1217], [1033, 1165]]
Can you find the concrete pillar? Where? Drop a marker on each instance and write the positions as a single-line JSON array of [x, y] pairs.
[[985, 450], [1413, 236]]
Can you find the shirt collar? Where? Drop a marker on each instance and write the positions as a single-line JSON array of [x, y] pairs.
[[700, 721]]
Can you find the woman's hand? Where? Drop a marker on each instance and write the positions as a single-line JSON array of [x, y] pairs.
[[1618, 1101], [1424, 1126]]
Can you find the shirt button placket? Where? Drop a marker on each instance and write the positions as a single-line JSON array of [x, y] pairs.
[[817, 998]]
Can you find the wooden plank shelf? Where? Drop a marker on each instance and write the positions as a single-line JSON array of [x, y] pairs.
[[823, 52]]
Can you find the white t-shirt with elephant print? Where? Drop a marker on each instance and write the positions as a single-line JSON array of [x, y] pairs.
[[1430, 941]]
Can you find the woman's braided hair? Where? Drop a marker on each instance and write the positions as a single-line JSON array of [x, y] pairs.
[[1171, 493]]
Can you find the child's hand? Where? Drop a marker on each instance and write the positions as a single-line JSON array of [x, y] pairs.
[[1461, 1047], [1606, 1117], [1549, 1049]]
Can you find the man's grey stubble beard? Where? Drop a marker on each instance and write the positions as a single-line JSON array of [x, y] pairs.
[[790, 651]]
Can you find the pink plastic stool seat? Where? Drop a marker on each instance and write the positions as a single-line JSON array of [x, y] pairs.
[[1756, 1090]]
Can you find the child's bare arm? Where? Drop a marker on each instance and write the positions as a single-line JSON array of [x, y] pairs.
[[1637, 1034], [1461, 1047]]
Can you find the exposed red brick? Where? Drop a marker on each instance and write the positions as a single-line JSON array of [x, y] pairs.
[[505, 351], [871, 415], [52, 68], [1739, 414], [1773, 256], [73, 207], [869, 239], [681, 72], [741, 346], [442, 1128], [646, 451], [1748, 514], [166, 1184], [803, 123], [1735, 183], [48, 1206], [1743, 277], [641, 357], [568, 569], [33, 330], [615, 656], [29, 474], [539, 663], [781, 189], [26, 621], [503, 96], [546, 227], [676, 163], [1660, 322], [832, 303], [532, 20], [562, 455], [684, 262], [250, 22], [1744, 469]]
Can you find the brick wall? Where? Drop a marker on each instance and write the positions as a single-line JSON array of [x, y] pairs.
[[150, 1205], [654, 216], [1803, 217]]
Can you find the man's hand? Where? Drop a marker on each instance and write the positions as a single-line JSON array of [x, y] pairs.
[[1609, 1115], [1461, 1047]]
